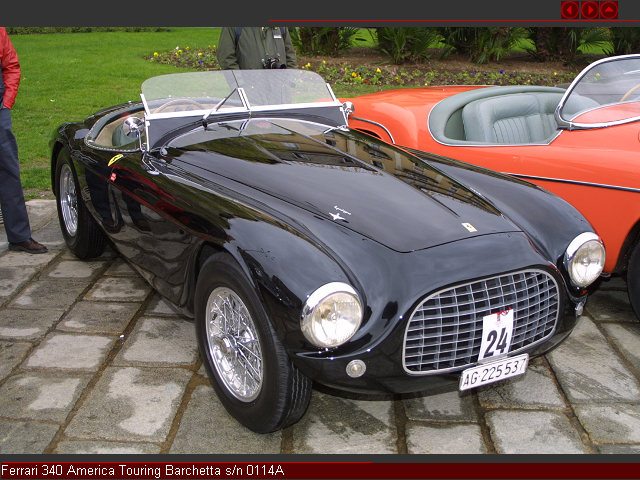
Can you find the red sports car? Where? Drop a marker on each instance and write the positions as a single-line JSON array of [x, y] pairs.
[[581, 143]]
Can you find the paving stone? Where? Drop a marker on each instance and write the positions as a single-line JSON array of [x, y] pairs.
[[132, 407], [17, 324], [335, 424], [75, 269], [610, 305], [71, 352], [22, 260], [109, 255], [11, 354], [529, 432], [105, 448], [120, 268], [619, 449], [25, 437], [99, 317], [51, 236], [160, 341], [615, 282], [611, 423], [444, 439], [115, 289], [588, 368], [450, 406], [41, 213], [161, 306], [41, 396], [130, 404], [206, 427], [626, 337], [13, 279], [536, 389], [50, 293]]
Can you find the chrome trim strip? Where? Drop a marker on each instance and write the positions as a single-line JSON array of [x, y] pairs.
[[323, 292], [249, 108], [571, 125], [511, 353], [144, 103], [243, 97], [573, 248], [378, 125], [575, 182]]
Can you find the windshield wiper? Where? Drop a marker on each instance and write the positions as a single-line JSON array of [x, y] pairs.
[[216, 107]]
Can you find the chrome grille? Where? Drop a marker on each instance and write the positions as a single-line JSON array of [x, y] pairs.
[[444, 333]]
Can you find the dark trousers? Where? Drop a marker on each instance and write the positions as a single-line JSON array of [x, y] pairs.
[[14, 211]]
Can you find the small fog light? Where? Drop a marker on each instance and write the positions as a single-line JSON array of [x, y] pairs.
[[356, 368], [579, 309]]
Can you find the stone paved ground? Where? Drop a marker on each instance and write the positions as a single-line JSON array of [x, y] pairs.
[[93, 361]]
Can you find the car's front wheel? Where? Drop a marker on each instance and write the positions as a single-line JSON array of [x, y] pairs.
[[633, 280], [251, 372], [79, 229]]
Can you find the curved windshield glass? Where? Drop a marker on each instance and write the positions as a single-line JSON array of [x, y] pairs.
[[605, 93], [222, 90]]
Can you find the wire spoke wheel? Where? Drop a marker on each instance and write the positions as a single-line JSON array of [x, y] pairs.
[[68, 201], [233, 344]]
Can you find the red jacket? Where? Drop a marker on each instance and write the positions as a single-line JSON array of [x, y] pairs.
[[10, 69]]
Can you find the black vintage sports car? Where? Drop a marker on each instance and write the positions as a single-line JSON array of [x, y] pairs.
[[307, 251]]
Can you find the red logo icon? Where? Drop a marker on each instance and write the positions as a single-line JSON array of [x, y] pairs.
[[569, 10], [590, 10], [609, 10]]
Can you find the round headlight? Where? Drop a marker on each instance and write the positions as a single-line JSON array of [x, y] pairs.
[[331, 315], [584, 259]]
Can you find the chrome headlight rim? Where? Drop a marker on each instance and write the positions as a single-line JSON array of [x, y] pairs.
[[574, 248], [317, 298]]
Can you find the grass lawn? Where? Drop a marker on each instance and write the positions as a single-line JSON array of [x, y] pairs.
[[66, 77]]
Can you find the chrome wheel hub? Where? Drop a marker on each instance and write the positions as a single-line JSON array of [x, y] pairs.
[[68, 200], [234, 347]]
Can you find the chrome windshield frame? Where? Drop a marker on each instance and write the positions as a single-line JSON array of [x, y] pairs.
[[570, 124]]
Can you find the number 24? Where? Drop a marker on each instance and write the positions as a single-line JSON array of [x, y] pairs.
[[501, 345]]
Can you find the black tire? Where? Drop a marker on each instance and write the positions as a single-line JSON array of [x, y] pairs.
[[84, 237], [283, 394], [633, 280]]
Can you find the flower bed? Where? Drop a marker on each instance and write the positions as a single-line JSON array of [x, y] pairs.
[[350, 72]]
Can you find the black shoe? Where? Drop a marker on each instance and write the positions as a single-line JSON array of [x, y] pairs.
[[29, 246]]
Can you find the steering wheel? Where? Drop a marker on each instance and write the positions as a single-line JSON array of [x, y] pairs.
[[179, 101], [629, 92]]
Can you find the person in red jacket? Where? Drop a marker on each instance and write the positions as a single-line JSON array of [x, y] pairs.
[[14, 210]]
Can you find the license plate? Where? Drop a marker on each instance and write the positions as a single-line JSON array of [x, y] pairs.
[[486, 373]]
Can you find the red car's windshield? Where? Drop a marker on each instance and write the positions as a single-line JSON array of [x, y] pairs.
[[613, 83]]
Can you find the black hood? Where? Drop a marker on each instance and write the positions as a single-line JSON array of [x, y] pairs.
[[377, 190]]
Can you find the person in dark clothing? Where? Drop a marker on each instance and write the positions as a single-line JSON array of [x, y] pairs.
[[249, 48], [14, 210]]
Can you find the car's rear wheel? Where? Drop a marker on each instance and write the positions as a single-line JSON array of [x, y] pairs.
[[80, 231], [250, 371], [633, 280]]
